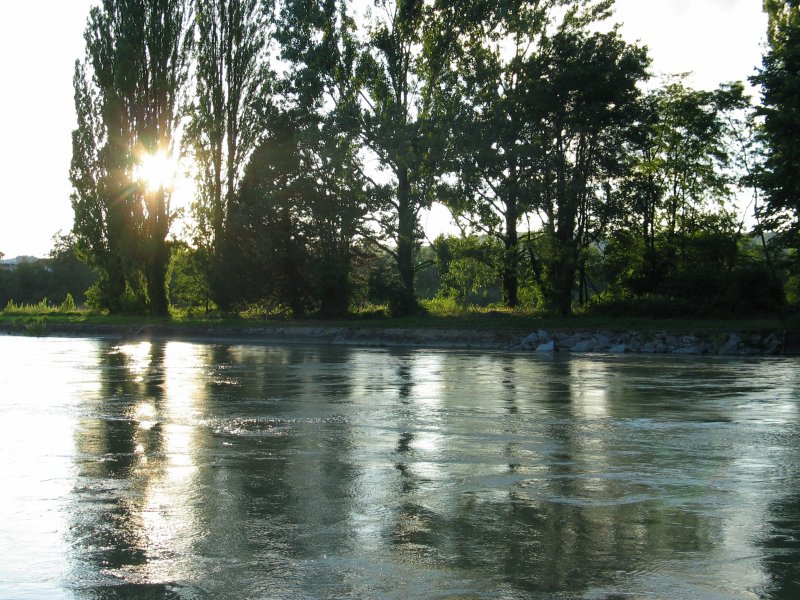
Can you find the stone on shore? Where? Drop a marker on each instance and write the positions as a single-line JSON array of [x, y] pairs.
[[731, 346], [529, 343], [688, 350], [585, 346]]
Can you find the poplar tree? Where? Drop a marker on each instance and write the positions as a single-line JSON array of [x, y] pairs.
[[232, 84], [779, 79], [319, 44], [128, 100]]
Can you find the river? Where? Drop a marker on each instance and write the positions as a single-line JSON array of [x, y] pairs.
[[171, 469]]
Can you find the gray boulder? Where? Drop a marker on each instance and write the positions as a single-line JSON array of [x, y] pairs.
[[654, 347], [731, 346], [603, 341], [584, 346]]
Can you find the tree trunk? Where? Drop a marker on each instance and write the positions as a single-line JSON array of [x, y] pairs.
[[156, 281], [511, 258], [565, 268], [406, 303], [565, 260], [157, 255]]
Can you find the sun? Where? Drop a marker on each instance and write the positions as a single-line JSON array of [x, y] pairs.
[[156, 170]]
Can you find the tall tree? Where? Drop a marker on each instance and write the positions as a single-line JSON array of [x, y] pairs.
[[271, 263], [319, 45], [128, 96], [547, 110], [99, 222], [488, 159], [232, 82], [585, 106], [779, 80], [407, 47], [682, 177]]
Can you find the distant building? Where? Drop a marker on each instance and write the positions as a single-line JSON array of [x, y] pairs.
[[9, 264]]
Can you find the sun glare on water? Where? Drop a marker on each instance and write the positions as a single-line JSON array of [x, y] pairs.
[[156, 170]]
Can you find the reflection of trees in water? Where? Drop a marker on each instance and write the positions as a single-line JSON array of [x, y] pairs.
[[505, 471], [117, 459], [163, 488], [783, 549], [557, 519], [549, 546], [287, 472]]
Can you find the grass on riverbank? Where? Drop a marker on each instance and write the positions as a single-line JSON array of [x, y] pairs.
[[475, 319]]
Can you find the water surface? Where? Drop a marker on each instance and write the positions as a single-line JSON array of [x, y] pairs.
[[197, 470]]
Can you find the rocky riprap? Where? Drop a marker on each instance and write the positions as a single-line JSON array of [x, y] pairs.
[[660, 342]]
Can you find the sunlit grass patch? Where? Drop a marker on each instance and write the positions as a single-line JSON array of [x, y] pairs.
[[43, 307]]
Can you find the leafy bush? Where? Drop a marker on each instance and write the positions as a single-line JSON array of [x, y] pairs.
[[40, 308], [753, 291], [444, 306], [68, 305], [625, 304]]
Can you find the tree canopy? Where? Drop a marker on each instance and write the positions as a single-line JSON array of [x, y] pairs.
[[318, 132]]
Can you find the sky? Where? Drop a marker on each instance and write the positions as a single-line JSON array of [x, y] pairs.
[[717, 40]]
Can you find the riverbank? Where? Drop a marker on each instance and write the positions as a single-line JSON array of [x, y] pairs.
[[713, 341]]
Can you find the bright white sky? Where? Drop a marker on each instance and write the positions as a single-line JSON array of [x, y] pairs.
[[719, 40]]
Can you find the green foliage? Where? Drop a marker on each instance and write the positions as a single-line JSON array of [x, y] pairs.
[[778, 79], [38, 308], [682, 171], [708, 274], [68, 305], [189, 289], [233, 84], [383, 287], [444, 305], [526, 118], [400, 73], [546, 106], [468, 270], [793, 292], [266, 256], [127, 95], [54, 277], [129, 302]]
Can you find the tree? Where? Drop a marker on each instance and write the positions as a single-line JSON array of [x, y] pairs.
[[270, 264], [681, 179], [400, 71], [779, 80], [127, 97], [488, 160], [232, 82], [319, 44], [547, 108], [99, 221], [587, 105]]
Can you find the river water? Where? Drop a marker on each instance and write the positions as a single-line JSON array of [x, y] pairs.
[[223, 470]]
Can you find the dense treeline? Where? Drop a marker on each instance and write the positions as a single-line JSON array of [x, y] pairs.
[[319, 131]]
